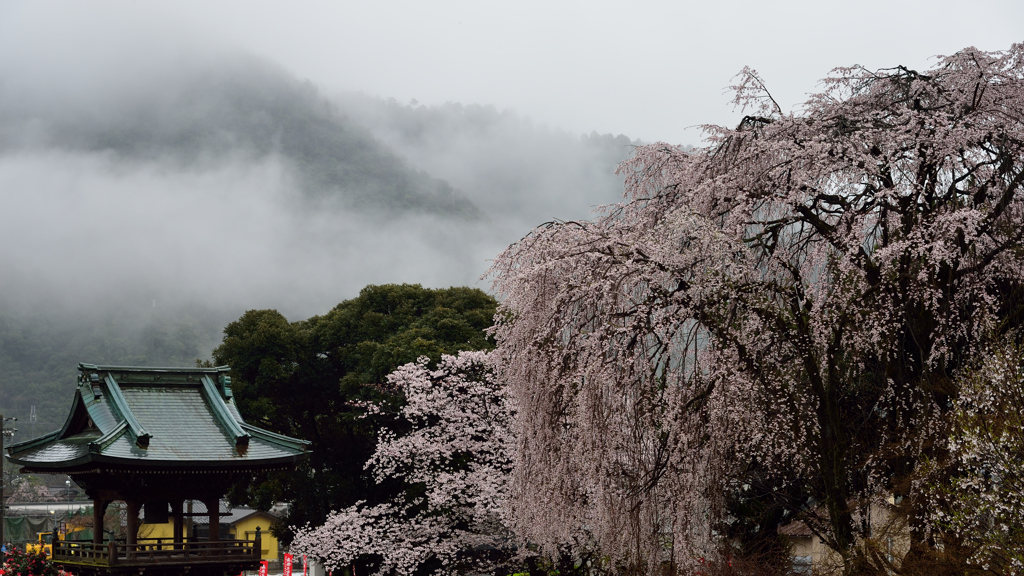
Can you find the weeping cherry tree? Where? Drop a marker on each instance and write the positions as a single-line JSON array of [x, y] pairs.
[[771, 324]]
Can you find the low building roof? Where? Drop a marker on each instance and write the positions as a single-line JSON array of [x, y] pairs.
[[125, 417], [236, 515], [796, 529]]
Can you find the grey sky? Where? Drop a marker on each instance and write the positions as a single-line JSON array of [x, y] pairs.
[[647, 68]]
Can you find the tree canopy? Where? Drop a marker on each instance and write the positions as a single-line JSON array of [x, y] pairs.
[[312, 378], [769, 327]]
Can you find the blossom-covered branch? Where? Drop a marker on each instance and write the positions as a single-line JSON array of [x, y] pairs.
[[455, 464], [986, 497]]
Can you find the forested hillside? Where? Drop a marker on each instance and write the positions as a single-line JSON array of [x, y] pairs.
[[144, 213], [505, 163], [245, 107]]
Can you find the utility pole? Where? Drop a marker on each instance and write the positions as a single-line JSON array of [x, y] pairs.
[[5, 433], [67, 515]]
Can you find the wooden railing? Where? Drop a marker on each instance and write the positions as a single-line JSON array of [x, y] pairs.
[[162, 551]]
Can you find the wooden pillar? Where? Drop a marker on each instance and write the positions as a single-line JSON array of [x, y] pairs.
[[99, 508], [179, 525], [111, 553], [213, 507], [131, 537], [190, 527]]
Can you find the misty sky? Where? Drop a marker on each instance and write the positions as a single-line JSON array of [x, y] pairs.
[[647, 68], [225, 228]]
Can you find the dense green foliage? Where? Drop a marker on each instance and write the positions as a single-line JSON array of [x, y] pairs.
[[310, 378]]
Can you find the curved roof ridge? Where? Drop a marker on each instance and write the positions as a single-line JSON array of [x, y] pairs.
[[83, 366]]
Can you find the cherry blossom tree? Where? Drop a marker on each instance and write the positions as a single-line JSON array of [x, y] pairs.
[[775, 318], [455, 463], [985, 499]]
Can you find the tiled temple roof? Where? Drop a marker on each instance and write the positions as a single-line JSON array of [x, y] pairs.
[[141, 418]]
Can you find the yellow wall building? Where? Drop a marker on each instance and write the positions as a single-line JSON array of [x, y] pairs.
[[238, 523]]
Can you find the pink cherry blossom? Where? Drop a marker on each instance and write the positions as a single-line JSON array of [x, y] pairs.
[[788, 304], [456, 461]]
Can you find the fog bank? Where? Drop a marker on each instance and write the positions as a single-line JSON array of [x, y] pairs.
[[155, 188]]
